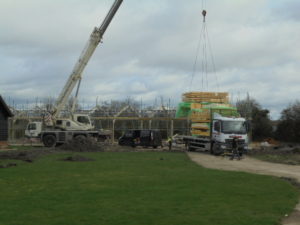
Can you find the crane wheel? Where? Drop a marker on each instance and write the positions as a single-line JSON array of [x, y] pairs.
[[81, 139], [49, 140]]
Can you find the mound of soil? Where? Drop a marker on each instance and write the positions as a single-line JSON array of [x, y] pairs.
[[8, 165], [82, 145], [26, 156], [77, 158]]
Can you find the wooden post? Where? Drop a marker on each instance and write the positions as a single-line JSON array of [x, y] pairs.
[[113, 131], [172, 128], [142, 125]]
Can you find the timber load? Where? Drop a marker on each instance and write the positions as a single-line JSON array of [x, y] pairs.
[[198, 107], [212, 97]]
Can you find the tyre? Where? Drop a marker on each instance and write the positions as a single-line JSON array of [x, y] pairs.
[[190, 148], [133, 144], [211, 149], [81, 139], [216, 150], [49, 140], [122, 142]]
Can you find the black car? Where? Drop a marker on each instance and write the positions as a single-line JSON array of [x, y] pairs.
[[145, 138]]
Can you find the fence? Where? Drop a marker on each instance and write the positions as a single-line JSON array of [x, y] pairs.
[[117, 125]]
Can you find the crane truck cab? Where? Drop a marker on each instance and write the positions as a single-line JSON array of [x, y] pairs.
[[33, 129]]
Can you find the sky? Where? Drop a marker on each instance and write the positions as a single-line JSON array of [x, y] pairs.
[[149, 50]]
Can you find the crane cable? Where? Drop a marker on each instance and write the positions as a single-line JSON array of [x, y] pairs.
[[202, 43]]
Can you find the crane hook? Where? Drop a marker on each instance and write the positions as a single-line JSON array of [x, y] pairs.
[[204, 15]]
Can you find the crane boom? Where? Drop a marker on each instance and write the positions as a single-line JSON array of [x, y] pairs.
[[84, 58]]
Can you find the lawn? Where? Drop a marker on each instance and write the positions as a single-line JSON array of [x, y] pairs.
[[138, 188]]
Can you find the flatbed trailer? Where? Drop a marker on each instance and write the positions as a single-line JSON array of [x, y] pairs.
[[208, 144], [194, 143]]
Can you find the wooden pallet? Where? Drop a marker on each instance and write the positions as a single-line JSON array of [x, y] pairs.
[[196, 106], [198, 97], [207, 94], [200, 116], [201, 120], [200, 126], [201, 133]]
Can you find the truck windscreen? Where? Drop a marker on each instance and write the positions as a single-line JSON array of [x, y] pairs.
[[234, 127]]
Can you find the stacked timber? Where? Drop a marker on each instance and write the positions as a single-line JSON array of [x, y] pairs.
[[213, 97], [200, 118], [201, 104]]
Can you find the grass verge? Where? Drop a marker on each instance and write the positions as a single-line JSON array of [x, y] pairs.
[[138, 188], [289, 156]]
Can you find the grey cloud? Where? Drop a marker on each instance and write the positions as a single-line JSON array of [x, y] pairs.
[[148, 50]]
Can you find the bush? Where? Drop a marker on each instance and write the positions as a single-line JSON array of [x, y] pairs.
[[259, 117], [288, 128]]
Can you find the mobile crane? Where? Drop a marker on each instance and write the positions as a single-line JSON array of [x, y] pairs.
[[56, 130]]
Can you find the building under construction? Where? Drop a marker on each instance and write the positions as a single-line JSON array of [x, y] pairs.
[[115, 117]]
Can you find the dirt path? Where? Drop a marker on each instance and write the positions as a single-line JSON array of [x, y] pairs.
[[252, 166]]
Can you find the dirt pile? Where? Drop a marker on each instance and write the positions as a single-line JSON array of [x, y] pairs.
[[8, 165], [77, 158], [26, 156], [82, 145]]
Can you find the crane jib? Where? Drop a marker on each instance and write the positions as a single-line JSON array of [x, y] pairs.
[[110, 15], [85, 56]]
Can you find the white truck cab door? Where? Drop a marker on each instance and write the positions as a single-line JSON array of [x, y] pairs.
[[216, 129]]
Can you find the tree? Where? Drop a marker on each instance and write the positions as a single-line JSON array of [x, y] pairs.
[[260, 121], [288, 128]]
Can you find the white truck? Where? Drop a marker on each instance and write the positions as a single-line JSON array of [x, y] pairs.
[[54, 129], [223, 131], [215, 125]]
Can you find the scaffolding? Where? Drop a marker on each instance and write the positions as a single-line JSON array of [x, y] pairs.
[[116, 118]]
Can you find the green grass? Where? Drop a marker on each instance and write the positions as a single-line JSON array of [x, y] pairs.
[[137, 189]]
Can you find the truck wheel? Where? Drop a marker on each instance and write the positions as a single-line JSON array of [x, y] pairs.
[[190, 148], [211, 149], [121, 142], [49, 140], [133, 144], [81, 139], [216, 150]]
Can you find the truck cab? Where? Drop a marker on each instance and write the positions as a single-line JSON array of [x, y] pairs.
[[224, 130]]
